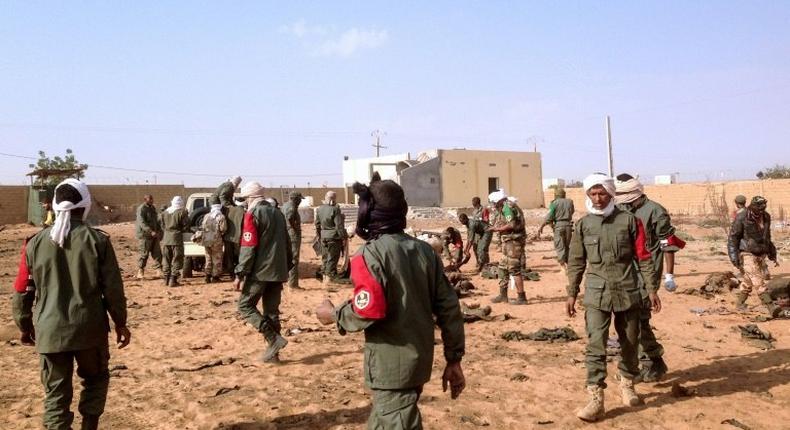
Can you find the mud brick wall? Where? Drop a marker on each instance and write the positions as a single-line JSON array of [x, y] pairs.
[[13, 204]]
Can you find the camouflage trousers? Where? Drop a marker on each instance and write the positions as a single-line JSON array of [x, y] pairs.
[[56, 375], [395, 409], [753, 273], [513, 260], [214, 255], [481, 246]]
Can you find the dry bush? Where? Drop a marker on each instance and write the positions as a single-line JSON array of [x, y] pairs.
[[719, 209]]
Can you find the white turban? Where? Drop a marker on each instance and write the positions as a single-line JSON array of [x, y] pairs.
[[236, 180], [608, 184], [330, 197], [628, 191], [497, 195], [175, 204], [216, 210], [62, 225], [253, 192]]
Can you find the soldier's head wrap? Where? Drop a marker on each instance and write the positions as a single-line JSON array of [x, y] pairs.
[[627, 189], [62, 225], [236, 180], [382, 208], [758, 203], [216, 209], [740, 199], [330, 197], [559, 193], [253, 194], [608, 184], [497, 196], [175, 204]]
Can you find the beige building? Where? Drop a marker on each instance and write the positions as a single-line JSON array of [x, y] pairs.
[[452, 177]]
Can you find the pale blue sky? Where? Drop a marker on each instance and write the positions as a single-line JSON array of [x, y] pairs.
[[273, 89]]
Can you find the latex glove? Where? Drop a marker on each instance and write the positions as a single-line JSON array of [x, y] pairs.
[[669, 282]]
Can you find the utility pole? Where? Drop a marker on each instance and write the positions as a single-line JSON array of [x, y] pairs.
[[377, 135], [609, 145]]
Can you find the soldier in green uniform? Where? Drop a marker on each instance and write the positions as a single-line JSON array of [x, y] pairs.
[[662, 244], [149, 233], [223, 195], [294, 222], [70, 271], [560, 217], [608, 245], [399, 287], [174, 221], [776, 298], [478, 237], [234, 218], [513, 234], [329, 229], [263, 267]]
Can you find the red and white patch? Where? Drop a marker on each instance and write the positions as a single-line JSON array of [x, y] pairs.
[[369, 300], [249, 233], [640, 242], [22, 274]]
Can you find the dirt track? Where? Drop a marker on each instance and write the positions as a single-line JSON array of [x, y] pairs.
[[320, 385]]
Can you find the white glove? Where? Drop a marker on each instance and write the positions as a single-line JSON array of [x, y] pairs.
[[669, 282]]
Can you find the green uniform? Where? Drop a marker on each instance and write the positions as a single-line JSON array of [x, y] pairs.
[[76, 287], [147, 223], [480, 237], [513, 242], [399, 343], [658, 227], [561, 217], [294, 223], [605, 249], [263, 265], [778, 289], [174, 225], [234, 219], [223, 194], [331, 231]]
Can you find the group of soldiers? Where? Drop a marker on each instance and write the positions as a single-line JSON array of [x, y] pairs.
[[621, 248]]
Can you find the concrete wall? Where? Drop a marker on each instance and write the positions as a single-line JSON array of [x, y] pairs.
[[360, 169], [465, 175], [694, 199], [422, 184], [13, 204]]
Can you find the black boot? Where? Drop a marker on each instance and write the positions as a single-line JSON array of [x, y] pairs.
[[90, 422], [173, 282], [166, 280], [208, 279], [502, 297], [521, 300]]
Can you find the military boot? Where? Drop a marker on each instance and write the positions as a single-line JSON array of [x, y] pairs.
[[173, 282], [628, 393], [90, 422], [740, 301], [166, 280], [654, 371], [594, 410], [521, 300], [271, 353], [140, 274], [502, 297], [208, 279]]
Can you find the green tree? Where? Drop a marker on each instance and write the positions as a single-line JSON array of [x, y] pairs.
[[54, 170], [776, 172]]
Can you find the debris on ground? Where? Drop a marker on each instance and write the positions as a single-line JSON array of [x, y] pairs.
[[215, 363], [519, 377], [756, 337], [563, 334], [681, 391], [735, 423], [715, 283], [475, 420], [461, 284], [225, 390], [473, 312], [491, 272]]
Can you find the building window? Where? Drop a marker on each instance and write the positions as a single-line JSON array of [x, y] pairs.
[[433, 180], [493, 184]]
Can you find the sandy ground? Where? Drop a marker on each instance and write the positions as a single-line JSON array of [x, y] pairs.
[[319, 385]]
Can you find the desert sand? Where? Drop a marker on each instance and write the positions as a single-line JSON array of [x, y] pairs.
[[156, 383]]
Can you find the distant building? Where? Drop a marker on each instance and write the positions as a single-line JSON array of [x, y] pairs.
[[388, 166], [553, 182], [666, 179]]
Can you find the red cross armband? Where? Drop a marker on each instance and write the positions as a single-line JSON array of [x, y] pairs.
[[672, 244], [369, 301], [249, 233], [23, 282], [640, 242], [486, 215]]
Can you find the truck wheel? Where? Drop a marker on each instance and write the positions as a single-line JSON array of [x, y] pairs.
[[187, 270]]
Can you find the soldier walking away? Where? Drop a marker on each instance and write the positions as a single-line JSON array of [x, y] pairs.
[[608, 246], [749, 245], [69, 271], [149, 233], [329, 229], [740, 206], [512, 233], [263, 267], [662, 244], [223, 195], [560, 217], [234, 217], [294, 222], [478, 237], [399, 287], [174, 221], [213, 227]]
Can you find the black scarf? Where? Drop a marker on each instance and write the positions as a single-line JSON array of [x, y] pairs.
[[373, 221]]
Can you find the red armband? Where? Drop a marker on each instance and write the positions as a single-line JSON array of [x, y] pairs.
[[249, 233], [674, 242], [23, 273], [369, 300], [640, 243], [486, 215]]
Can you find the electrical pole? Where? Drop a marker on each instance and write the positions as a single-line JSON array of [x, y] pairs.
[[377, 135], [609, 145]]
